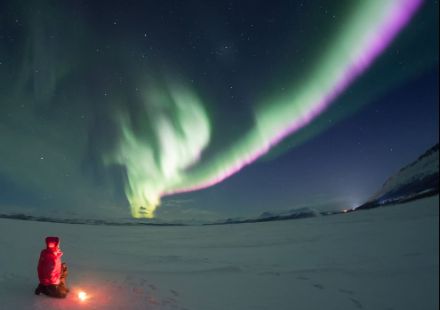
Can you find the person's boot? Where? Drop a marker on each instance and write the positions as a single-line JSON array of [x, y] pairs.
[[62, 286], [38, 290]]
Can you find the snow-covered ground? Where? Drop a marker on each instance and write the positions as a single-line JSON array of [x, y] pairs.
[[379, 259]]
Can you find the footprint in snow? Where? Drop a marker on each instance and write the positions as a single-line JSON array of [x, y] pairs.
[[318, 286]]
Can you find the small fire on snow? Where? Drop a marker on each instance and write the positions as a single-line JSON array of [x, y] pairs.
[[82, 296]]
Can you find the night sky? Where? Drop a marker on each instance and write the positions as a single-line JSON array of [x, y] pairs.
[[211, 109]]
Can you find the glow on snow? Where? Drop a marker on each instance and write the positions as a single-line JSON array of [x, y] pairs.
[[155, 170]]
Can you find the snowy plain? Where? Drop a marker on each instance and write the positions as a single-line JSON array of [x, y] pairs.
[[379, 259]]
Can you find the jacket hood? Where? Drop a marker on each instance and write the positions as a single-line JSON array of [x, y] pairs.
[[52, 242]]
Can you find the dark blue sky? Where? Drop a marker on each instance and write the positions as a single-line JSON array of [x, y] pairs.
[[342, 166], [97, 105]]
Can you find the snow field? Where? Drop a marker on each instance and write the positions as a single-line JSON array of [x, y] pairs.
[[380, 259]]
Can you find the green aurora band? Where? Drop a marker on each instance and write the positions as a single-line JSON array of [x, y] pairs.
[[181, 138], [174, 164]]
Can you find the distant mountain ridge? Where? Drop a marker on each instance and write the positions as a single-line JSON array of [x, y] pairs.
[[417, 180], [292, 214]]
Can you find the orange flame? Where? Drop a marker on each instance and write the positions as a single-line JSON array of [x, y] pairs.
[[82, 295]]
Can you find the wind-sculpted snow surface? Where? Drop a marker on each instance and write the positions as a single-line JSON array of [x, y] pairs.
[[379, 259]]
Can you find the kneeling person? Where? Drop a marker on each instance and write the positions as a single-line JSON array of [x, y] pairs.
[[52, 273]]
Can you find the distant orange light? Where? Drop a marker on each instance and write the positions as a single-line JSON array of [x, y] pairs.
[[82, 296]]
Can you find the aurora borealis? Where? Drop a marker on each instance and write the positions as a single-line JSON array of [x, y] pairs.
[[109, 106]]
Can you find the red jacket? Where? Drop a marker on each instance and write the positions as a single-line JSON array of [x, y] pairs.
[[49, 265]]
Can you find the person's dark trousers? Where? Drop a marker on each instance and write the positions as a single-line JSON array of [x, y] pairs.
[[57, 291], [51, 290]]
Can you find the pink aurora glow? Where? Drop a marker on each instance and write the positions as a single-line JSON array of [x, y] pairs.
[[399, 16]]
